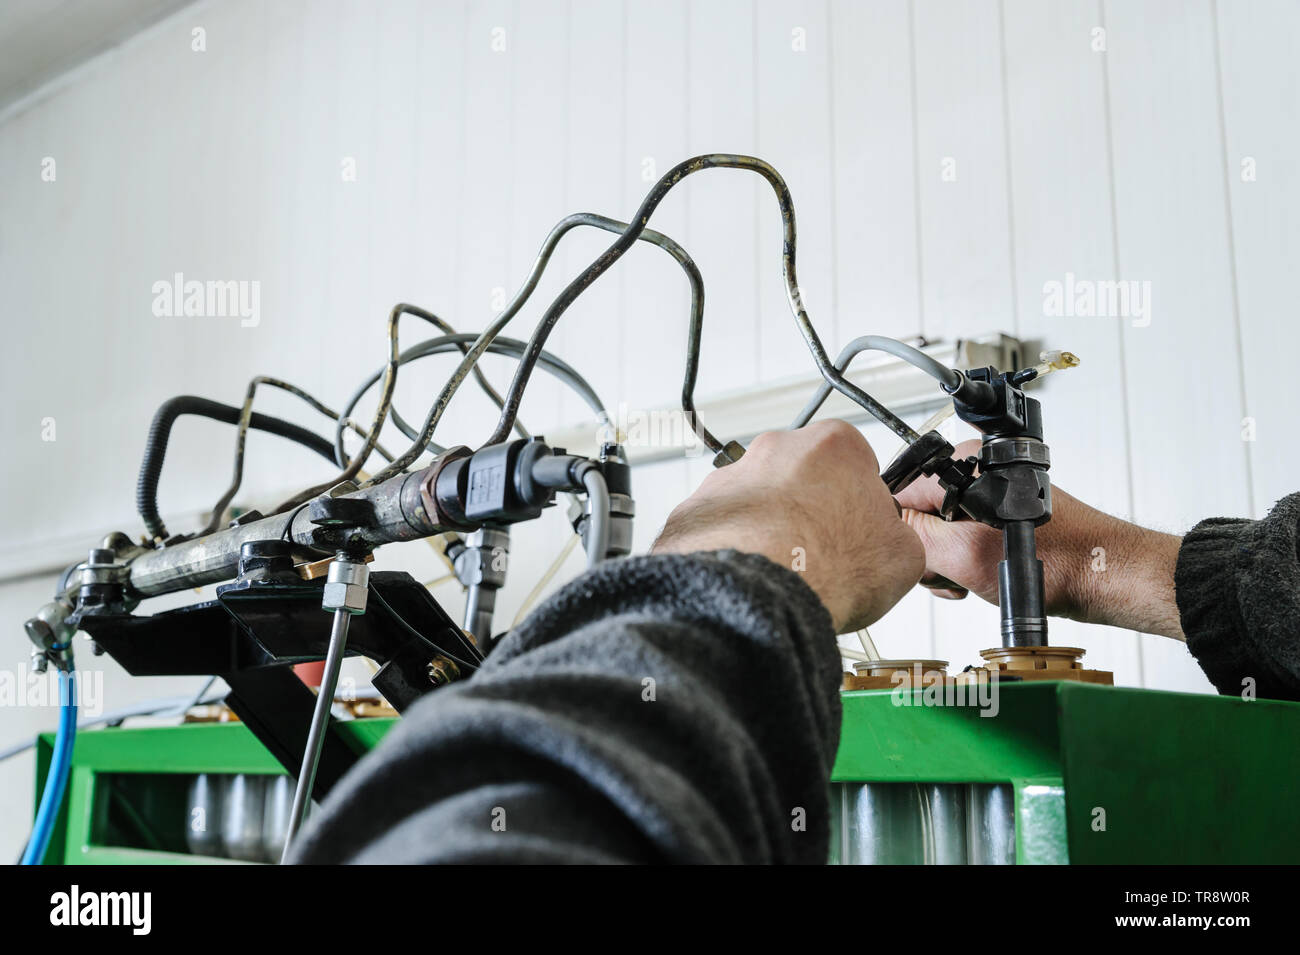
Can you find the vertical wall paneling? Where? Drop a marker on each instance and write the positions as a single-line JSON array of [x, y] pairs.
[[961, 168], [352, 201], [1061, 197], [964, 219], [540, 52], [724, 206], [876, 253], [395, 168], [1173, 233], [1261, 115], [403, 271], [655, 292], [875, 171], [793, 47], [596, 182], [541, 55], [485, 275], [312, 176], [438, 78]]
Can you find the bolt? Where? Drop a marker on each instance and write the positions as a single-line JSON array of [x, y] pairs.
[[442, 671]]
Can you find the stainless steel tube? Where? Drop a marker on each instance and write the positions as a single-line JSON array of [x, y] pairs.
[[319, 724]]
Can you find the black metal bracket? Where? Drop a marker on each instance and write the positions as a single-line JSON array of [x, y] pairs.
[[255, 631]]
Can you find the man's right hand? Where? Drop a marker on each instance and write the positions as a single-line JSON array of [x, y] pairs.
[[813, 494], [1096, 568]]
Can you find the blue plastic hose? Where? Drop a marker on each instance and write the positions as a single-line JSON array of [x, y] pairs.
[[56, 781]]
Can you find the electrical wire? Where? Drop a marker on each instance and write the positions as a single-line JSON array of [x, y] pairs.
[[461, 345], [416, 633], [611, 255], [381, 410], [468, 642], [597, 515], [501, 345], [545, 579], [848, 653], [560, 229], [56, 779], [162, 706], [245, 417], [381, 415], [288, 525], [946, 376], [443, 326], [868, 645], [938, 418], [440, 543], [194, 701], [513, 347]]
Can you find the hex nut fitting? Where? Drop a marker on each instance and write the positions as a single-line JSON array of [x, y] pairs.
[[346, 587]]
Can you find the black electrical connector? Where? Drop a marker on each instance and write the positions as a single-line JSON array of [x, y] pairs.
[[507, 483], [618, 473], [997, 407], [974, 391]]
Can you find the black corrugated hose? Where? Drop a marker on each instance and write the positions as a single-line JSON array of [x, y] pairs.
[[155, 448]]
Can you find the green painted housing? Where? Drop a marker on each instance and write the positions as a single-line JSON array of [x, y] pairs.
[[1181, 778]]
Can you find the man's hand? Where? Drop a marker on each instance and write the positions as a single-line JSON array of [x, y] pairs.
[[1096, 568], [811, 500]]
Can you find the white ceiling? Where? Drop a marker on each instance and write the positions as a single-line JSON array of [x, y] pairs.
[[39, 39]]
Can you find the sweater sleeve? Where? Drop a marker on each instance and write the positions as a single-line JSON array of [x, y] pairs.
[[1237, 584], [673, 708]]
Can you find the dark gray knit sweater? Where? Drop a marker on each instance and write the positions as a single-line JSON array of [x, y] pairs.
[[686, 709], [1238, 591], [656, 709]]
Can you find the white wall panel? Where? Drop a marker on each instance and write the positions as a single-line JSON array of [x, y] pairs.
[[1261, 110], [596, 181], [1173, 232], [541, 111], [793, 55], [877, 261], [656, 295], [877, 252], [962, 168], [1060, 182], [485, 276], [963, 219], [723, 205]]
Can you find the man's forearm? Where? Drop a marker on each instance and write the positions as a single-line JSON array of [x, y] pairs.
[[1129, 581], [1229, 589]]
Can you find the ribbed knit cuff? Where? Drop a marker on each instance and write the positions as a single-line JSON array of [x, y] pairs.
[[1237, 584]]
